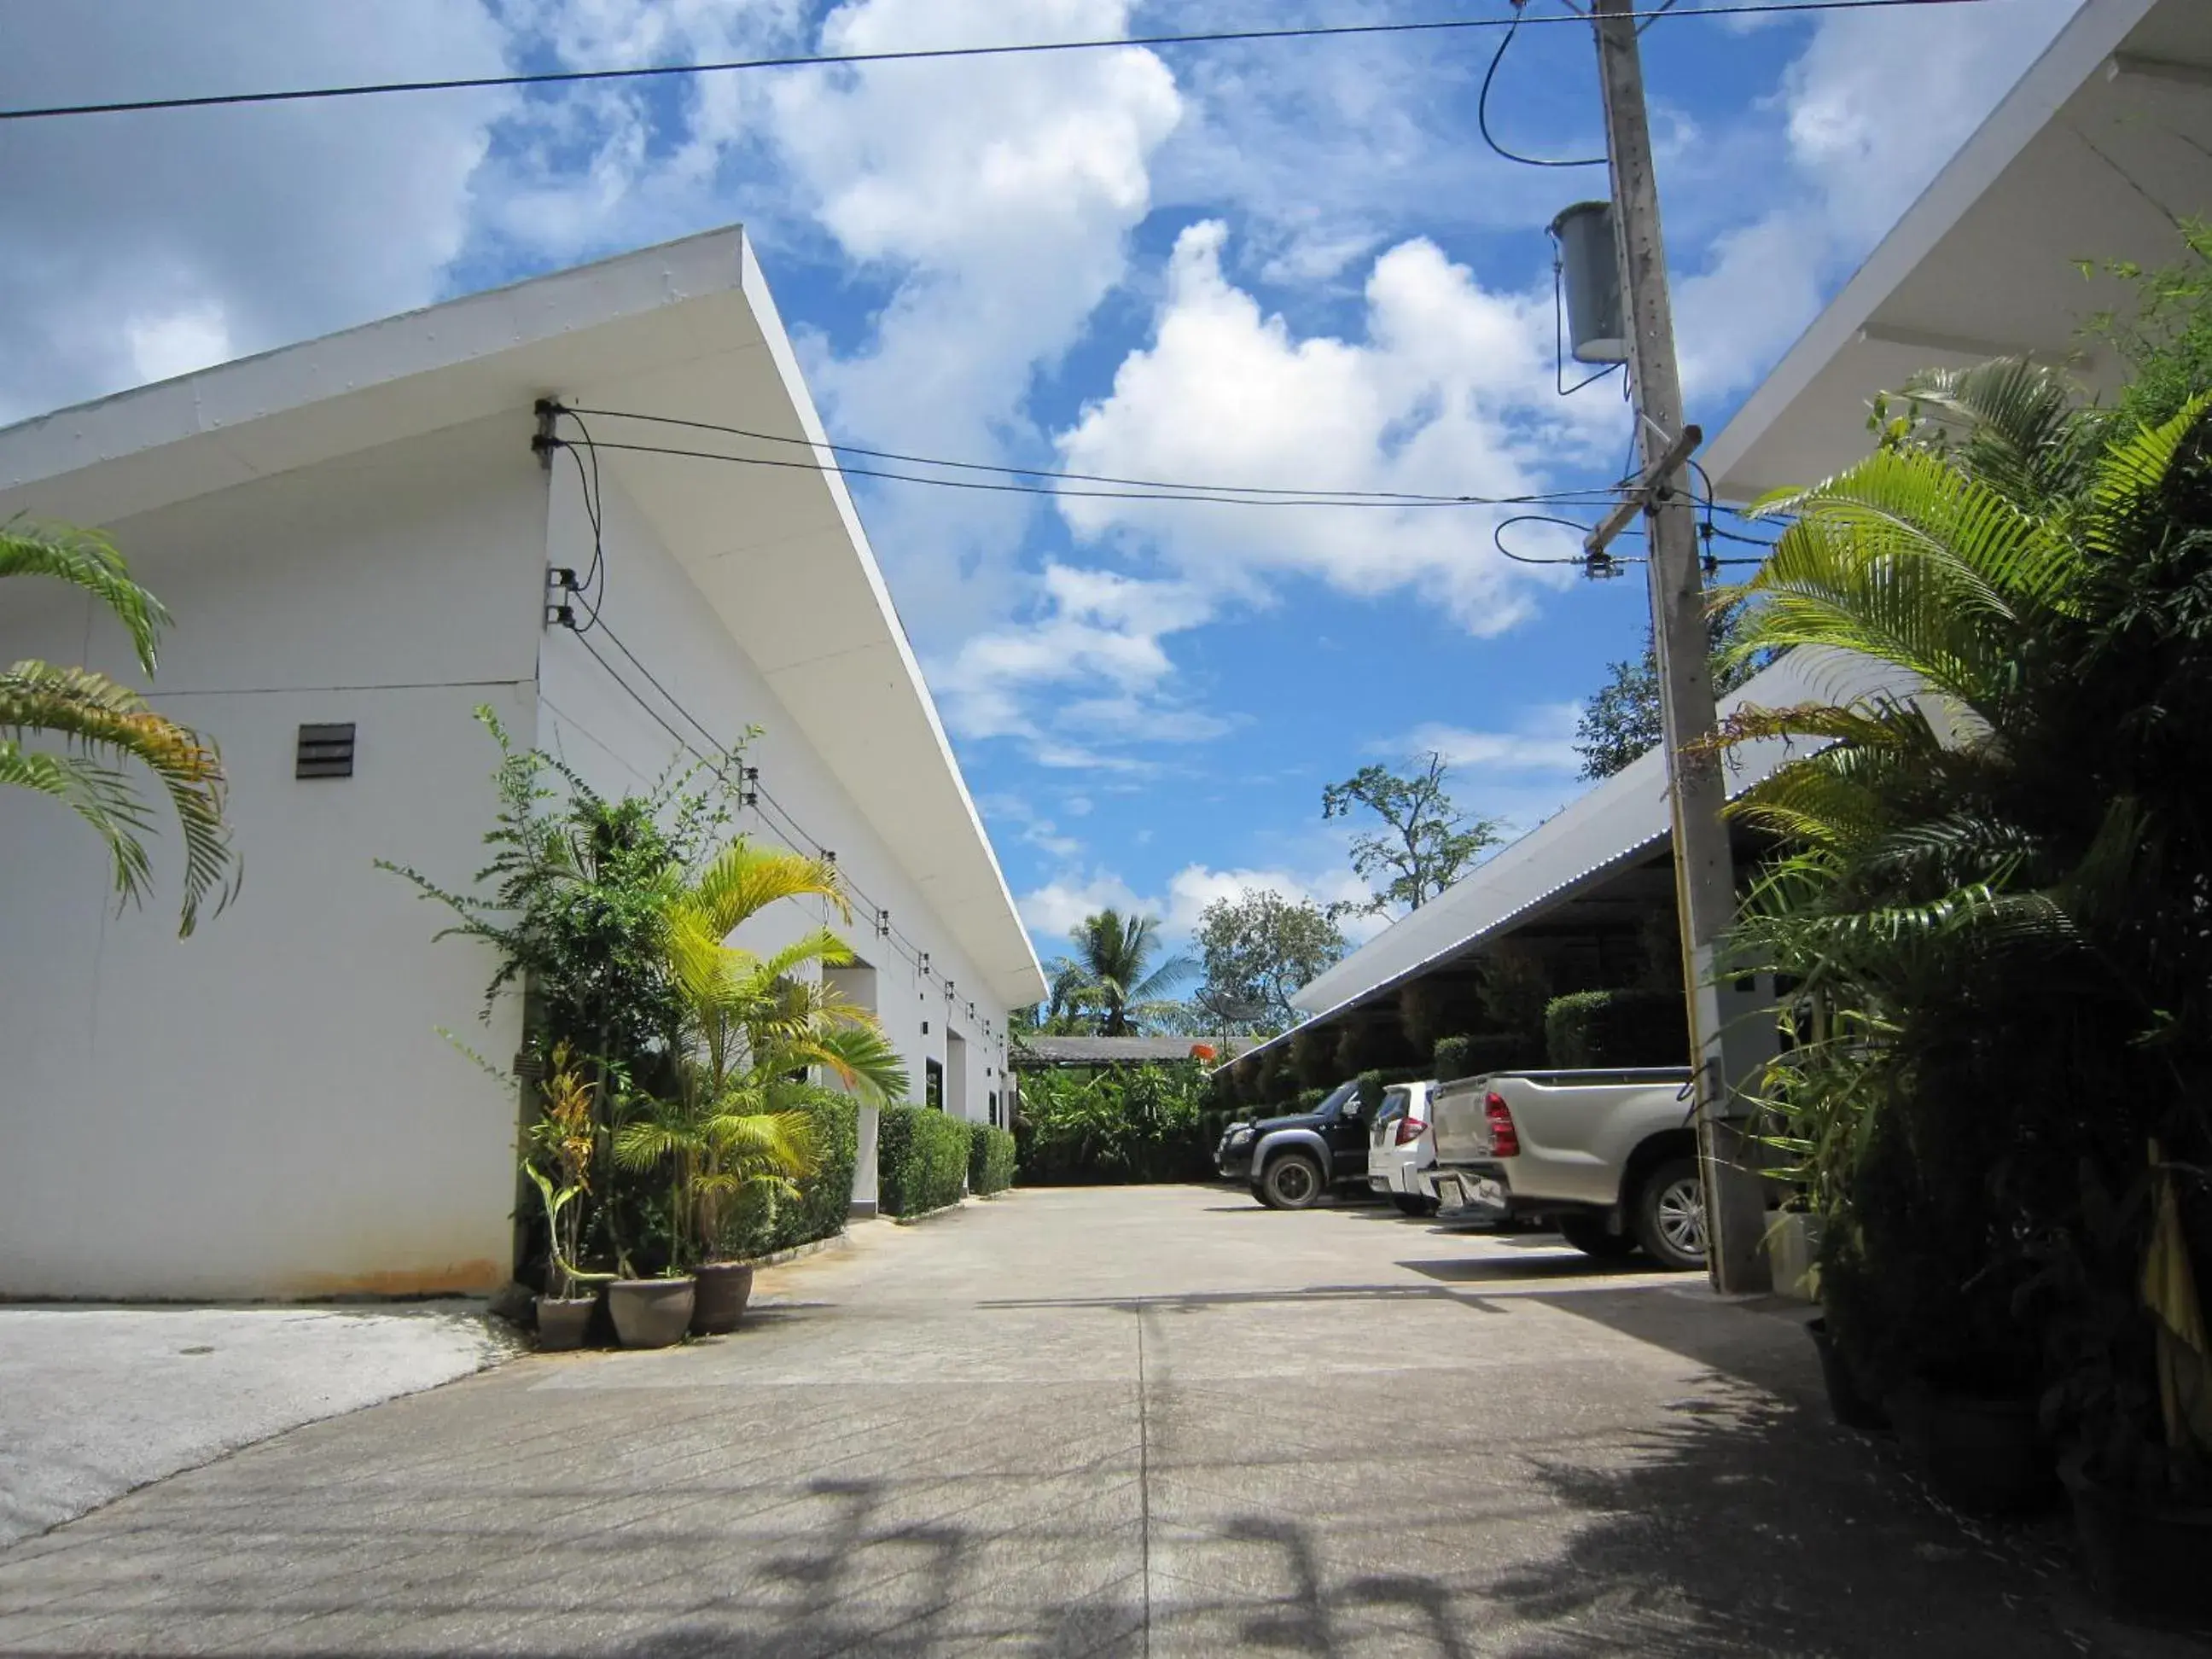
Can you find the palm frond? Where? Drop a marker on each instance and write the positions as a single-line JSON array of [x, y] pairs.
[[94, 715], [866, 1061], [744, 879], [87, 559]]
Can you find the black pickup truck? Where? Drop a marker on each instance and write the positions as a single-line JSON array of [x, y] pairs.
[[1289, 1162]]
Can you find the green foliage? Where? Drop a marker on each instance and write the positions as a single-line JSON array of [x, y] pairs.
[[1433, 1008], [96, 725], [822, 1198], [1427, 843], [1516, 987], [990, 1159], [1991, 898], [2166, 338], [921, 1160], [1366, 1045], [1313, 1057], [1110, 985], [1620, 723], [1257, 949], [1623, 1028], [574, 902], [1279, 1078], [1484, 1052], [1144, 1124]]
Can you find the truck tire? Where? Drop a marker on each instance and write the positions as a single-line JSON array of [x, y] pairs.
[[1588, 1233], [1668, 1215], [1292, 1181]]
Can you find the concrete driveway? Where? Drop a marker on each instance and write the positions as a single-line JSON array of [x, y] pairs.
[[1148, 1421]]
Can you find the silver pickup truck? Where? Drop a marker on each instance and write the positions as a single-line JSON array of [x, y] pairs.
[[1609, 1157]]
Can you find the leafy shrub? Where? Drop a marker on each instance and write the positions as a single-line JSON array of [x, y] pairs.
[[990, 1159], [1313, 1058], [1617, 1028], [1309, 1099], [1484, 1052], [921, 1159], [1077, 1128], [825, 1198], [1431, 1009]]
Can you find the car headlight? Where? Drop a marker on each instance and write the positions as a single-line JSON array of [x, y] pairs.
[[1240, 1136]]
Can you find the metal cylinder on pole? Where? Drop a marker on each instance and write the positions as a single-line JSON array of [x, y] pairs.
[[1705, 873]]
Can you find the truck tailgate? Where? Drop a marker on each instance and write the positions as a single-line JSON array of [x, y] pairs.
[[1460, 1123]]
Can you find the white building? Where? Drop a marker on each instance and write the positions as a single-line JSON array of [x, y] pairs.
[[356, 531]]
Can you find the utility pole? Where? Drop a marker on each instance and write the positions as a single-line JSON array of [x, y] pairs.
[[1705, 875]]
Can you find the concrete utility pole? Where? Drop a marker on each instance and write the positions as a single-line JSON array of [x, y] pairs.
[[1705, 875]]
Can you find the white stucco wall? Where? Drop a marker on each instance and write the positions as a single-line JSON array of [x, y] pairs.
[[652, 606], [266, 1110]]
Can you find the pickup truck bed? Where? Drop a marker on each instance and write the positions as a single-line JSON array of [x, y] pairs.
[[1609, 1156]]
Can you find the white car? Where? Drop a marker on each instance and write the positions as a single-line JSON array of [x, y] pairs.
[[1402, 1149]]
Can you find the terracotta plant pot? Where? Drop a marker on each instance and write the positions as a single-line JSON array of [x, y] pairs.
[[1988, 1456], [650, 1313], [1853, 1409], [561, 1321], [724, 1289], [2146, 1559]]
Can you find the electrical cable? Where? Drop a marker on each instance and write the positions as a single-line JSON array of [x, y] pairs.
[[721, 758], [1482, 110], [1389, 495], [1569, 497], [821, 60], [1566, 497]]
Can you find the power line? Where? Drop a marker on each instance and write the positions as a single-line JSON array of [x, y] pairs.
[[822, 60], [718, 755], [1389, 496], [1482, 114], [1574, 497]]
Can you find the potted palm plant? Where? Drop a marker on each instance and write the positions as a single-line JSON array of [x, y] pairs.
[[733, 1130], [558, 1161]]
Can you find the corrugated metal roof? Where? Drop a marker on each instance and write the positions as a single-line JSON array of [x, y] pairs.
[[1617, 822]]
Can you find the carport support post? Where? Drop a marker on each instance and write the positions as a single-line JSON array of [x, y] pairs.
[[1705, 875]]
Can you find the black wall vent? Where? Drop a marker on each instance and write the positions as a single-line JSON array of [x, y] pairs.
[[326, 752]]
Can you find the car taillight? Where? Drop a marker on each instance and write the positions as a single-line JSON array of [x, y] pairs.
[[1505, 1139], [1410, 1129]]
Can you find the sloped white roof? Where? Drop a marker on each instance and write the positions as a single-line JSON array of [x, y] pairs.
[[1621, 820], [2103, 144], [687, 329]]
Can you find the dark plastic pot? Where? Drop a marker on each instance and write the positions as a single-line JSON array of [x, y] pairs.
[[1853, 1409], [2146, 1560], [719, 1304], [1987, 1455], [650, 1313], [562, 1320]]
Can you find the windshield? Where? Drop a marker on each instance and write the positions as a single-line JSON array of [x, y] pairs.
[[1343, 1099]]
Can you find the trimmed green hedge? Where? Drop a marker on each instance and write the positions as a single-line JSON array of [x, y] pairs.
[[825, 1198], [921, 1160], [1482, 1052], [990, 1160], [1617, 1028]]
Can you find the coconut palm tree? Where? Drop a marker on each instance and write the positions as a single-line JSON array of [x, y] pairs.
[[735, 1127], [1112, 953], [95, 724]]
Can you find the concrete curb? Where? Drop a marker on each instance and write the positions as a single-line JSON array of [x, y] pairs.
[[953, 1209], [842, 1239]]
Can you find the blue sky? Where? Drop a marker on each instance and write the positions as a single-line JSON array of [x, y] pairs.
[[1290, 264]]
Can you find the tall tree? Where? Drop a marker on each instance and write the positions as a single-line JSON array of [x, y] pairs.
[[1622, 722], [1113, 952], [1427, 843], [95, 724], [1257, 949]]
